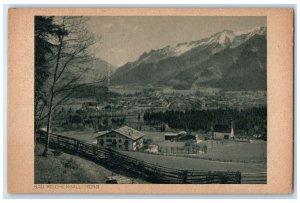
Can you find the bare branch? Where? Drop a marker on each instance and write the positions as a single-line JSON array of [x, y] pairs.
[[67, 86]]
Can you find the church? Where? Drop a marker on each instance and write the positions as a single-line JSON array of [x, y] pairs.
[[221, 132]]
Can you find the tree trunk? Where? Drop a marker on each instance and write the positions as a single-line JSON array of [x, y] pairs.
[[72, 49], [48, 124], [51, 99]]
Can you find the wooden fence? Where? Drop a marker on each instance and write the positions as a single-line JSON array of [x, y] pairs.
[[254, 178], [121, 163]]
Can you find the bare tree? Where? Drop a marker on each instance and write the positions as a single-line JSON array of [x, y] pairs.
[[73, 55], [44, 30]]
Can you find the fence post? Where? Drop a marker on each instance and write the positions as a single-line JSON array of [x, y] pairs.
[[208, 177], [105, 155], [57, 145], [184, 176], [75, 146], [239, 177], [94, 153]]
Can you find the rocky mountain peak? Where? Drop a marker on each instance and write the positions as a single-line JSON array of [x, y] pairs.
[[226, 57]]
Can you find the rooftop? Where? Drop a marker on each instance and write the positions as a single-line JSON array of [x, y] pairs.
[[222, 128], [127, 132]]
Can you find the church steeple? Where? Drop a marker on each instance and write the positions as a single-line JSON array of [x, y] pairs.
[[232, 131]]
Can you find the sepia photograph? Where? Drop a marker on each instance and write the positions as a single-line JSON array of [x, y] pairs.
[[150, 100]]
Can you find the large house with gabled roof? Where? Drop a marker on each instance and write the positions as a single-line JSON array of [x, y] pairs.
[[124, 138]]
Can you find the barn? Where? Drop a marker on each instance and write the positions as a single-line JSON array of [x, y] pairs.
[[170, 136], [173, 136], [222, 132], [124, 138]]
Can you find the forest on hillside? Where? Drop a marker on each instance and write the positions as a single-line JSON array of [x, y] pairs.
[[245, 122]]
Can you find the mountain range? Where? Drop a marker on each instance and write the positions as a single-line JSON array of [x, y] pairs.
[[98, 69], [228, 60]]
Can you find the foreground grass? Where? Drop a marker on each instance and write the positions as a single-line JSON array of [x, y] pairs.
[[248, 152], [69, 169], [197, 164]]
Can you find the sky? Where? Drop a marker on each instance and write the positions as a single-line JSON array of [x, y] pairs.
[[124, 39]]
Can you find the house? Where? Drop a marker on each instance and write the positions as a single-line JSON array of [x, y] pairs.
[[222, 132], [179, 137], [124, 138], [170, 136], [182, 133], [98, 134]]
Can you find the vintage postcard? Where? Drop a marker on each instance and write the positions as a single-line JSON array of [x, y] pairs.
[[150, 101]]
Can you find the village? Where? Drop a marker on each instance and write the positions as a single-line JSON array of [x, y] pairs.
[[128, 108], [118, 123], [156, 99]]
